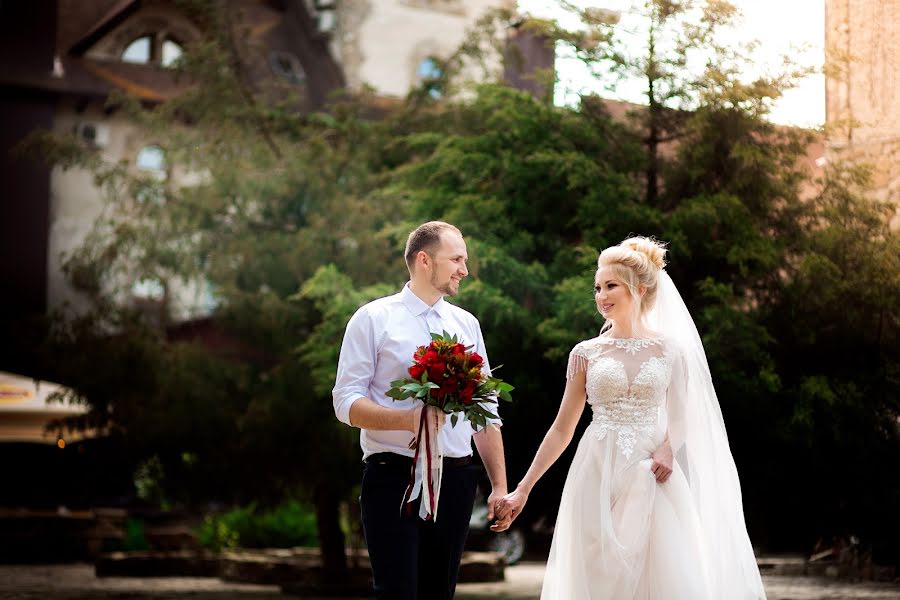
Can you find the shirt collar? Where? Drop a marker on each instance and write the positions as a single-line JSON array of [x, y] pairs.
[[417, 306]]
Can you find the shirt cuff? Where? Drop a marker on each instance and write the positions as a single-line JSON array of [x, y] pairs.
[[342, 406]]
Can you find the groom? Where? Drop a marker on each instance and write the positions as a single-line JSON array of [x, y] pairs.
[[414, 559]]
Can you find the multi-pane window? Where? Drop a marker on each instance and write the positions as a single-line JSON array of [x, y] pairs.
[[153, 48]]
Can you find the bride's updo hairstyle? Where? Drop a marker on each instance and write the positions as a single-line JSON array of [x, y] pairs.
[[636, 262]]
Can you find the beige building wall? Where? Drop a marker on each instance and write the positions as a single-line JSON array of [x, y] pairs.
[[381, 43], [76, 204], [862, 93]]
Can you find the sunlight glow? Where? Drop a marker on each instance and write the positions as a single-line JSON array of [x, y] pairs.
[[796, 28]]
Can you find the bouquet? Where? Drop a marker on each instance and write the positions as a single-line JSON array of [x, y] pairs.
[[447, 377]]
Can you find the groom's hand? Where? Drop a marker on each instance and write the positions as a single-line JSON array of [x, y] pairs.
[[509, 507], [414, 420], [501, 524]]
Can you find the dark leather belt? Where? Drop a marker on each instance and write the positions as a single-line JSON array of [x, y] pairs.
[[389, 458]]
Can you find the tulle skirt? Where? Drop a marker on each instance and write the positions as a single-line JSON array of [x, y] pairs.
[[620, 534]]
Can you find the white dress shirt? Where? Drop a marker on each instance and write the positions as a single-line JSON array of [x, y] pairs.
[[378, 348]]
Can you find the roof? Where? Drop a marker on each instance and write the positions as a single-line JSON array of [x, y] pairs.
[[80, 25]]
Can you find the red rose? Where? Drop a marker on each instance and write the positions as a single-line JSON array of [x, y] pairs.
[[475, 360], [436, 371], [459, 349], [416, 371], [449, 385], [465, 394], [430, 357]]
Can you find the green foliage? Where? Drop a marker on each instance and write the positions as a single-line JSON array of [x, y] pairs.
[[285, 526], [294, 221], [134, 539]]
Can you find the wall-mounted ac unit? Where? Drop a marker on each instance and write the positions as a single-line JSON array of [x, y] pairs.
[[93, 134], [326, 21]]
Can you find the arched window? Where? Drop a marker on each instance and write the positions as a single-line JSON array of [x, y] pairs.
[[428, 74], [286, 66], [139, 51], [153, 48], [171, 52]]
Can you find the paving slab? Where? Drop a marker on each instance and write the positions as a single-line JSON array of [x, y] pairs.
[[523, 582]]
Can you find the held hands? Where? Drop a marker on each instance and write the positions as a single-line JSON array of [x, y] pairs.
[[503, 522], [662, 462], [509, 506]]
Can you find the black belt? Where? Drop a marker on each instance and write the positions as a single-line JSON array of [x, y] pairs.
[[389, 458]]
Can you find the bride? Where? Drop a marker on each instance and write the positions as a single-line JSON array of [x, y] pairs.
[[651, 507]]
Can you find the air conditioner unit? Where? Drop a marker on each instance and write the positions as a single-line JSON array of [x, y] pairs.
[[93, 134], [326, 21]]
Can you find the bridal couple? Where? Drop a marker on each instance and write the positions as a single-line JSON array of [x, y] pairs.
[[651, 508]]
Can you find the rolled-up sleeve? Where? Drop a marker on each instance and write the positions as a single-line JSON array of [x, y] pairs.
[[356, 365]]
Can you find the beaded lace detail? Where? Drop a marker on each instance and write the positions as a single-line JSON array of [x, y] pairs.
[[632, 345], [627, 406]]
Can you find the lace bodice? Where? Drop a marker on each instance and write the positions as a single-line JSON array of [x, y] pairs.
[[626, 383]]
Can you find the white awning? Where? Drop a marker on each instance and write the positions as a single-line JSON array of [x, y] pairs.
[[25, 412]]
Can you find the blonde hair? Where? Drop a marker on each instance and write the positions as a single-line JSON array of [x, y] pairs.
[[636, 262]]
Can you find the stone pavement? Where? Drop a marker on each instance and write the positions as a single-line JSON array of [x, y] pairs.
[[77, 582]]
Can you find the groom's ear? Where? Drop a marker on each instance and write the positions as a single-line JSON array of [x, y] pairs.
[[422, 259]]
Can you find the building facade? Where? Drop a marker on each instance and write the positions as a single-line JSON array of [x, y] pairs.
[[862, 40], [60, 59]]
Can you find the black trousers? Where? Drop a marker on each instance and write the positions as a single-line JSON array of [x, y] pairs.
[[414, 559]]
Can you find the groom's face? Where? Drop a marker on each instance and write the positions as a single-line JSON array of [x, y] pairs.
[[449, 264]]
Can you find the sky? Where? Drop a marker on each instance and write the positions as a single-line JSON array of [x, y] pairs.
[[796, 27]]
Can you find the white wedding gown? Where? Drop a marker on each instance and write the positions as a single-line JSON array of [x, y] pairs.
[[621, 535]]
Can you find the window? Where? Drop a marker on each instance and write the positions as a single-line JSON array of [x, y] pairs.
[[151, 188], [151, 158], [151, 290], [286, 66], [138, 51], [428, 74], [155, 48], [171, 52]]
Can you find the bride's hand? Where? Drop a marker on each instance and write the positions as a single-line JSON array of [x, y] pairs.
[[662, 462], [509, 506]]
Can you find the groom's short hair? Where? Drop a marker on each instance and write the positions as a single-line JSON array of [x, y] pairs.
[[427, 237]]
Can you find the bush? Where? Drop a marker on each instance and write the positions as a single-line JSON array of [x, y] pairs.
[[290, 524]]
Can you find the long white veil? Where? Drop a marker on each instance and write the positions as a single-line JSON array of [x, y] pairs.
[[705, 457]]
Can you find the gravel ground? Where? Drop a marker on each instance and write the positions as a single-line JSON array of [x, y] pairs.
[[77, 582]]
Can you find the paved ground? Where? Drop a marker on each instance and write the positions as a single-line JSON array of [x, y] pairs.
[[77, 582]]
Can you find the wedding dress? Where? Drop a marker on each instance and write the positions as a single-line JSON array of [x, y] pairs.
[[622, 535]]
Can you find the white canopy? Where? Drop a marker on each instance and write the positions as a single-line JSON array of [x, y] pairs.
[[25, 412]]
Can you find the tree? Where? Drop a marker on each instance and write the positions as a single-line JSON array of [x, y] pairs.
[[296, 220]]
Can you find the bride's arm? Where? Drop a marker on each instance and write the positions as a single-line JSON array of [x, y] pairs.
[[555, 441]]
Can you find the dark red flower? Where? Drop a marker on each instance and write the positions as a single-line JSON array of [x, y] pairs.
[[475, 360], [436, 371], [450, 385], [430, 357], [416, 371]]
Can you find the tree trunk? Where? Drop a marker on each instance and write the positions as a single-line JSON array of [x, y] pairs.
[[331, 537]]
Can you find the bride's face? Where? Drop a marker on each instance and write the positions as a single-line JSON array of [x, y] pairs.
[[612, 296]]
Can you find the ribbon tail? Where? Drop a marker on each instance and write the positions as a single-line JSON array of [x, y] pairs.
[[416, 470], [433, 467]]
